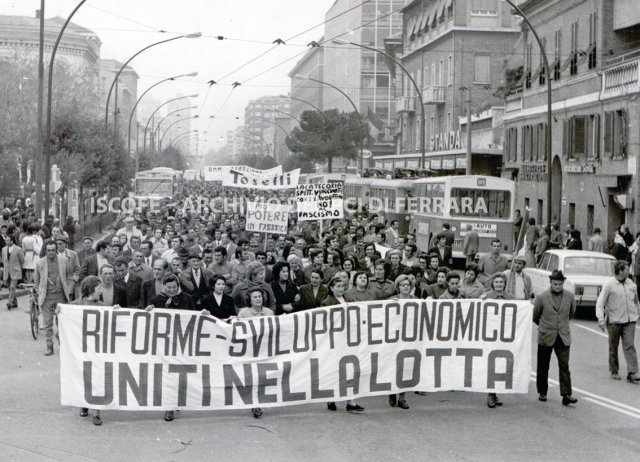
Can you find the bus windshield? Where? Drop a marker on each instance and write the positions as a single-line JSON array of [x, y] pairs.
[[484, 203], [154, 187]]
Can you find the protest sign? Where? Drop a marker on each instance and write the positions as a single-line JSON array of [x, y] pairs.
[[266, 217], [170, 359], [318, 201], [247, 180]]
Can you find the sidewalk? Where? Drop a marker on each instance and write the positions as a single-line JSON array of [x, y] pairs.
[[4, 292]]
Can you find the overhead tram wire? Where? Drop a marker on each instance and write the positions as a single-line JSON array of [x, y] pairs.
[[303, 52], [323, 42], [291, 38], [157, 29]]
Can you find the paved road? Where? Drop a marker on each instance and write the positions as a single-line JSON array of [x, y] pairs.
[[447, 426]]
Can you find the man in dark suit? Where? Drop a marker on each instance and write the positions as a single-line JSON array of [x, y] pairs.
[[442, 250], [149, 289], [130, 282], [92, 264], [470, 244], [147, 251], [312, 294], [552, 311], [196, 280]]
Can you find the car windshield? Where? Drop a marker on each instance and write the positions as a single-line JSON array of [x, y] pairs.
[[591, 266]]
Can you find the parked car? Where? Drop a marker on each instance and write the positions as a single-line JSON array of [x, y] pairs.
[[585, 271]]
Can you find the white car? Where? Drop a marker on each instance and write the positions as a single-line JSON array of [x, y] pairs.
[[585, 271]]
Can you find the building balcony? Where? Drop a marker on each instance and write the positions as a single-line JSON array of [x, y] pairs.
[[406, 104], [435, 94], [621, 79], [514, 103]]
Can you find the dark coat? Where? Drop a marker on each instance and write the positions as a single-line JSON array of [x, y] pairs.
[[226, 309], [284, 297], [147, 292], [182, 301], [119, 296], [133, 290], [307, 300]]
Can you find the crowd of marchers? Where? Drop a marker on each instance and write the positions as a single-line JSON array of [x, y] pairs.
[[192, 259]]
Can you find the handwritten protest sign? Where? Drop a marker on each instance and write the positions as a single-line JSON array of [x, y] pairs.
[[318, 201], [266, 217], [169, 359]]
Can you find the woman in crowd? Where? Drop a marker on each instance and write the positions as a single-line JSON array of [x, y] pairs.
[[31, 245], [470, 287], [349, 267], [256, 307], [403, 292], [359, 292], [371, 255], [89, 296], [255, 279], [337, 297], [218, 303], [497, 292], [284, 290], [333, 265], [296, 274]]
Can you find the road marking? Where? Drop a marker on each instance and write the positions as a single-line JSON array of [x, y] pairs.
[[622, 411], [598, 332], [601, 400]]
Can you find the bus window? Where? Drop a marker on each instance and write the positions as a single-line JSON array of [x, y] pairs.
[[480, 203]]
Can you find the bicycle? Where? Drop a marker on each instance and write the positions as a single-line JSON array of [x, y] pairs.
[[34, 309]]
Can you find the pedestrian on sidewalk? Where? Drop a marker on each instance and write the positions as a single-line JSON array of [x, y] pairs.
[[12, 261]]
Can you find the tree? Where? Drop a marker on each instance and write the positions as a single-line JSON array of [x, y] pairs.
[[170, 157], [298, 161], [323, 136]]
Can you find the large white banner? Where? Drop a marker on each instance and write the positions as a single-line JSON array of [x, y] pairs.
[[239, 179], [170, 359], [217, 173], [266, 217], [318, 201]]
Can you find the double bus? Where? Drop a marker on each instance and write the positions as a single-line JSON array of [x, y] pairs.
[[486, 203], [158, 183]]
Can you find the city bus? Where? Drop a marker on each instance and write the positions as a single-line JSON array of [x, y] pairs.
[[390, 200], [158, 183], [486, 203]]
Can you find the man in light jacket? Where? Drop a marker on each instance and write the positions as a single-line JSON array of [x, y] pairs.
[[51, 276], [617, 312], [552, 311]]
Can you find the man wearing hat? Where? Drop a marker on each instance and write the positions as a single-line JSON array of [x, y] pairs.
[[518, 283], [196, 280], [73, 263], [87, 249], [552, 311]]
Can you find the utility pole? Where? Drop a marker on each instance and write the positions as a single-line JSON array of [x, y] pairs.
[[38, 154]]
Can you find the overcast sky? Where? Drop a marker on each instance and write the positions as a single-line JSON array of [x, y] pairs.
[[126, 26]]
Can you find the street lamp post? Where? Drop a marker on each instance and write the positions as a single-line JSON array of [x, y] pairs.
[[547, 70], [156, 132], [304, 77], [415, 86], [106, 109], [169, 127], [133, 111], [47, 138], [144, 141]]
